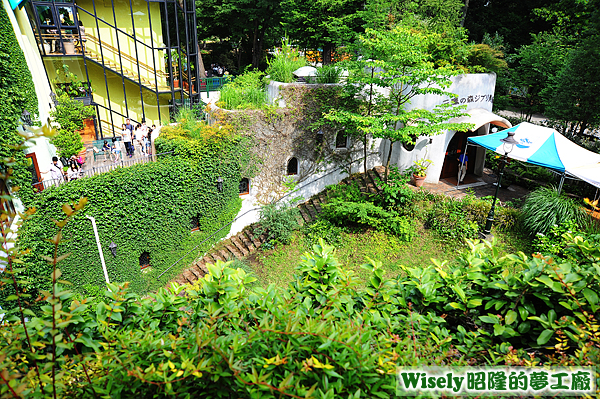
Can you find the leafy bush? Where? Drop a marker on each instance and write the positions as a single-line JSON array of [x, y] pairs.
[[369, 215], [503, 301], [546, 207], [448, 219], [70, 114], [285, 62], [395, 193], [346, 192], [246, 91], [278, 221], [329, 74], [325, 230]]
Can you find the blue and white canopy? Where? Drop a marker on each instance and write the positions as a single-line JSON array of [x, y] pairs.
[[546, 147]]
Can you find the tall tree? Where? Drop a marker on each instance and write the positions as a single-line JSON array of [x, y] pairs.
[[325, 24], [533, 68], [394, 67], [245, 23]]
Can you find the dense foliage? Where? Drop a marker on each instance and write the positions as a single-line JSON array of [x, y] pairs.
[[17, 93], [284, 63], [70, 114], [321, 337], [246, 91], [546, 207], [156, 213]]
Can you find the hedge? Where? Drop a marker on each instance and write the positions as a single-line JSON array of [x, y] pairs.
[[17, 93], [144, 208]]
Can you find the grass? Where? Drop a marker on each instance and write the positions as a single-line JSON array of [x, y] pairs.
[[277, 265]]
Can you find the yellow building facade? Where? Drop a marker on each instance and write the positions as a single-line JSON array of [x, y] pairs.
[[135, 59]]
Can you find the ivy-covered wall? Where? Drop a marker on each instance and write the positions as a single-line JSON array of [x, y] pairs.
[[17, 93], [144, 208]]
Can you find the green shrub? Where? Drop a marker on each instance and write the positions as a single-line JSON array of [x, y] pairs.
[[285, 62], [447, 218], [329, 74], [546, 207], [70, 114], [246, 91], [278, 221], [396, 194], [346, 192], [511, 301], [369, 215], [325, 230]]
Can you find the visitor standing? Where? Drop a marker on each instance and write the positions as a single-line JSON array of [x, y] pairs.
[[56, 170], [126, 133]]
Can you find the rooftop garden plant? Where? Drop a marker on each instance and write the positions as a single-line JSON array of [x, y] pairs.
[[285, 62]]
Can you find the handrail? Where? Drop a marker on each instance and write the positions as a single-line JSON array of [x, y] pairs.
[[127, 57]]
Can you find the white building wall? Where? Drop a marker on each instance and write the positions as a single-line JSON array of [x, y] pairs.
[[474, 91]]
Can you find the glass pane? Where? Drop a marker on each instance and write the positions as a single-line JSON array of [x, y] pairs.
[[45, 14], [66, 16]]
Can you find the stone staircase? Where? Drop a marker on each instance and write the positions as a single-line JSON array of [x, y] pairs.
[[246, 242]]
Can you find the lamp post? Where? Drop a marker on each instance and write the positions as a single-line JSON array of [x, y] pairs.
[[509, 143]]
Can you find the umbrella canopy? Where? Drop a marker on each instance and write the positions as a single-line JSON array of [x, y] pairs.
[[546, 147], [305, 71]]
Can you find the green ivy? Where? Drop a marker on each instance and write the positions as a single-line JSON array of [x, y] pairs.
[[17, 93], [144, 208]]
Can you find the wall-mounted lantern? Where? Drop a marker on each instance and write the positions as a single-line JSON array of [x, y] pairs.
[[26, 118], [220, 184], [113, 248]]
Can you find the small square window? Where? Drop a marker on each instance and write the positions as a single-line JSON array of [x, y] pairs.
[[144, 260], [244, 186]]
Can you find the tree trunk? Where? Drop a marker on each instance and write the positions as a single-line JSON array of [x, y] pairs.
[[582, 128], [257, 42], [368, 114], [365, 142], [464, 13], [387, 163], [327, 53], [201, 64]]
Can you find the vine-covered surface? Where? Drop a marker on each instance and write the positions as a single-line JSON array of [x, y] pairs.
[[17, 93], [144, 208]]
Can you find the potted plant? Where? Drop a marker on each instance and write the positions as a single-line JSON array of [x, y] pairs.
[[419, 171]]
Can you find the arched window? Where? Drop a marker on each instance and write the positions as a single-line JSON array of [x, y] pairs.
[[244, 186], [319, 138], [341, 140], [292, 166], [194, 223], [144, 260]]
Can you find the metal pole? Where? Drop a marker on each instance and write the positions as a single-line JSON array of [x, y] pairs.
[[562, 180], [490, 219], [461, 165], [99, 248]]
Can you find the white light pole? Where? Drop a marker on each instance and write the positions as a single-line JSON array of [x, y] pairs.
[[99, 248]]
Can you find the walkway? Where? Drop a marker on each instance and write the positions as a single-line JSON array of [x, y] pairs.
[[479, 186]]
